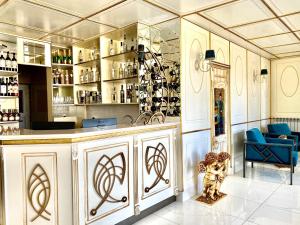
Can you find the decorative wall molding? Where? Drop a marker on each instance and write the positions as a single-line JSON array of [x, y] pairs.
[[289, 91], [239, 71]]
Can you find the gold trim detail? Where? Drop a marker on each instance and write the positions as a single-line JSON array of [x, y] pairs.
[[39, 192], [104, 177], [281, 87], [157, 161], [82, 139]]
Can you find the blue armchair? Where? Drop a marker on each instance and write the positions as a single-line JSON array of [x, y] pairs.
[[269, 150], [277, 129]]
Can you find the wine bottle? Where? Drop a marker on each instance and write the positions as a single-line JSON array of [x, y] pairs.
[[1, 114], [16, 87], [17, 115], [114, 95], [8, 62], [65, 58], [111, 48], [4, 116], [80, 57], [6, 87], [122, 95], [70, 60], [134, 68], [14, 63], [2, 62], [2, 88], [11, 116], [59, 61], [9, 87]]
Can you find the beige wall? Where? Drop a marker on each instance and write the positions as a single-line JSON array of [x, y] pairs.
[[285, 81]]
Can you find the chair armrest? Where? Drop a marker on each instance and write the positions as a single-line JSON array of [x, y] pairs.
[[269, 144], [280, 141]]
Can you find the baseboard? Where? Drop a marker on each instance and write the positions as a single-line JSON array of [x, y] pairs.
[[133, 219]]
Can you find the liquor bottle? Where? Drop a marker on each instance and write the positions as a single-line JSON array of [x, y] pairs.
[[62, 77], [14, 63], [8, 62], [6, 84], [10, 87], [65, 58], [86, 76], [80, 56], [114, 96], [111, 48], [113, 71], [121, 47], [3, 88], [17, 115], [122, 95], [71, 78], [4, 116], [11, 116], [129, 68], [54, 57], [81, 78], [2, 62], [121, 71], [126, 71], [124, 44], [129, 95], [16, 87], [59, 61], [70, 60], [67, 78], [134, 68]]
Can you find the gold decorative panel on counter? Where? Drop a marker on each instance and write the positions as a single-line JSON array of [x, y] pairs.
[[40, 188], [107, 180]]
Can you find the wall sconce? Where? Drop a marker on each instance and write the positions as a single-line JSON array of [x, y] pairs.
[[263, 73], [205, 61]]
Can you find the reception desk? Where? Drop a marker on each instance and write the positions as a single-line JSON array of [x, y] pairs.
[[86, 176]]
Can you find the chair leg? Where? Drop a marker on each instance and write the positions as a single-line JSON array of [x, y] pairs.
[[291, 176], [251, 164], [293, 169], [244, 162]]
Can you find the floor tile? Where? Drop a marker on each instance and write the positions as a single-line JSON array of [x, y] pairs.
[[153, 219], [267, 215]]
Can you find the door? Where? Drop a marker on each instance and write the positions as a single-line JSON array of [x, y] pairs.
[[24, 106]]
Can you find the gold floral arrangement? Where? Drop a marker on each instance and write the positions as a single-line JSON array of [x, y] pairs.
[[215, 167]]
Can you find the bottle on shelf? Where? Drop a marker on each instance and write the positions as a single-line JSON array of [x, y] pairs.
[[71, 79], [4, 116], [8, 62], [122, 95], [3, 87], [17, 115], [59, 61], [111, 48], [134, 68], [86, 76], [14, 63], [129, 68], [62, 77], [124, 43], [126, 71], [129, 94], [81, 77], [114, 95], [2, 62], [121, 71], [67, 77], [70, 59], [11, 116], [54, 57], [80, 57], [121, 47], [1, 115], [16, 87], [10, 87], [65, 57], [113, 71]]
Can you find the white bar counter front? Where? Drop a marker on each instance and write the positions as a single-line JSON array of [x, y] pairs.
[[86, 176]]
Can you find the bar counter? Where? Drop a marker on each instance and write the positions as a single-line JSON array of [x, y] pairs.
[[86, 176]]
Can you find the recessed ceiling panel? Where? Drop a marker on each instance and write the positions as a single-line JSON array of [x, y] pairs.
[[60, 40], [86, 29], [282, 39], [284, 49], [77, 7], [239, 12], [261, 29], [187, 6], [29, 15], [20, 31], [132, 12], [283, 7], [293, 21], [289, 54]]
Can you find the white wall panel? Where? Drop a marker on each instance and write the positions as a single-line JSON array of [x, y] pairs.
[[238, 84], [285, 88], [238, 133], [194, 148], [265, 90], [221, 47], [195, 84], [253, 63]]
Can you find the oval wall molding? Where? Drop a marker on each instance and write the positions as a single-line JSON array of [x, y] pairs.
[[289, 81], [238, 70], [196, 75], [220, 56]]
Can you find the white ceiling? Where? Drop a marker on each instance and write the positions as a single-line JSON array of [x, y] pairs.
[[270, 25]]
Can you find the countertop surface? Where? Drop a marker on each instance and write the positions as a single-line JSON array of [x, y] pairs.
[[74, 135]]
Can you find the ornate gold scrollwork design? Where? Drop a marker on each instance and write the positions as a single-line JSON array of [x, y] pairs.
[[105, 174], [156, 159], [39, 192]]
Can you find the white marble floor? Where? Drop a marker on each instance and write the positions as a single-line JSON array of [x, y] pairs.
[[263, 198]]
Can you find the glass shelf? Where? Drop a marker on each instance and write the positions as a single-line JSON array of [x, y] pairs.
[[8, 73], [89, 83], [8, 122], [63, 104], [122, 56], [88, 62], [96, 104], [120, 79], [12, 97], [62, 65], [62, 85]]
